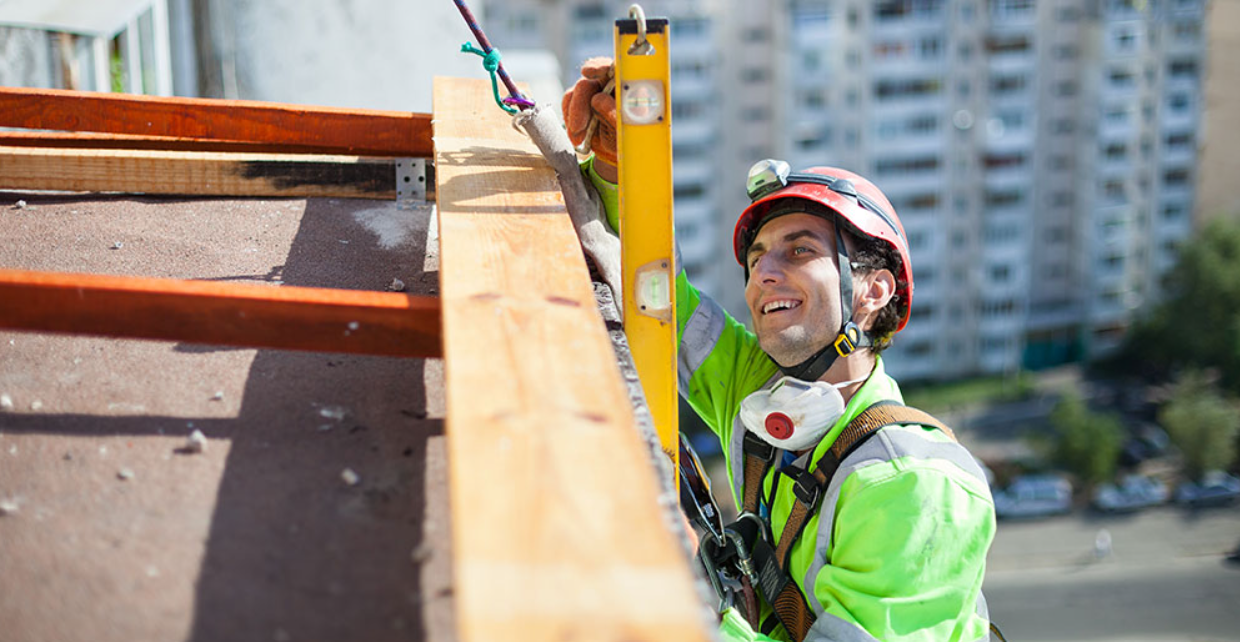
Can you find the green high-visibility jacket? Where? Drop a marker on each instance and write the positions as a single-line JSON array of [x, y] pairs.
[[897, 550]]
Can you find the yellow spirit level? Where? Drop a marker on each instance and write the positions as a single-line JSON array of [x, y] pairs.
[[647, 233]]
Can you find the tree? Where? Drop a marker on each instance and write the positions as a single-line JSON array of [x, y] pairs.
[[1086, 443], [1198, 323], [1202, 423]]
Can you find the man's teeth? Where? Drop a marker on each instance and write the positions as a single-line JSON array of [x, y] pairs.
[[779, 305]]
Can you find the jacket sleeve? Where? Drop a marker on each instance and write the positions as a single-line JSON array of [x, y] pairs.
[[899, 571], [718, 359]]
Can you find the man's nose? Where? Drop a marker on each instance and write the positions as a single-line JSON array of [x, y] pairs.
[[768, 269]]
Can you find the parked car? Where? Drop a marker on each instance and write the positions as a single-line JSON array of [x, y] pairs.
[[1034, 496], [1133, 492], [1147, 442], [1216, 488]]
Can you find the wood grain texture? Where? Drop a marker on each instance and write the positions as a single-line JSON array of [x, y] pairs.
[[351, 131], [90, 140], [253, 316], [557, 531], [197, 173]]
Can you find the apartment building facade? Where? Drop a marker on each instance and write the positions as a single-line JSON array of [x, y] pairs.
[[1041, 153]]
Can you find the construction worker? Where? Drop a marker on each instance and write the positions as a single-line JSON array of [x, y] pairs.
[[893, 530]]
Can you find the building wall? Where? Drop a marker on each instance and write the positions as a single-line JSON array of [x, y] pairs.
[[1218, 192], [379, 54]]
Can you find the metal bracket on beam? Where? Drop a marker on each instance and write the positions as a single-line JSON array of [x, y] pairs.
[[411, 180]]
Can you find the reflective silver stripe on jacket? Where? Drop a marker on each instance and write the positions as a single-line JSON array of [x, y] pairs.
[[701, 333], [884, 446], [829, 628], [736, 445]]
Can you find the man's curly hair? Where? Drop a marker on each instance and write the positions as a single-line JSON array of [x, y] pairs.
[[871, 254]]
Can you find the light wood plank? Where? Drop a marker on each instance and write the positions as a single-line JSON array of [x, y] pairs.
[[196, 173], [253, 316], [557, 532]]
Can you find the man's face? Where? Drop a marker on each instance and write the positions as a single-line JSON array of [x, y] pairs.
[[793, 291]]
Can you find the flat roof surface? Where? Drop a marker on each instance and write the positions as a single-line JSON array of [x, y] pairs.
[[118, 536]]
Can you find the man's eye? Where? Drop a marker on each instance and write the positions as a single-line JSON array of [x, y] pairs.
[[801, 250]]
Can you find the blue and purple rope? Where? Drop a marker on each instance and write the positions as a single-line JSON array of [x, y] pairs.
[[491, 56]]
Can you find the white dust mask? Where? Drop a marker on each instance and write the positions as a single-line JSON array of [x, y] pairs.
[[794, 414]]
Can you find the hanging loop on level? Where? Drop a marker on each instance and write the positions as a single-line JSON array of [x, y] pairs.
[[641, 46]]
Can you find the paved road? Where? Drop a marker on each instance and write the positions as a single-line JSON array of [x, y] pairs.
[[1165, 580]]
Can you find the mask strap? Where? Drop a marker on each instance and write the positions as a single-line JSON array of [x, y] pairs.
[[850, 336]]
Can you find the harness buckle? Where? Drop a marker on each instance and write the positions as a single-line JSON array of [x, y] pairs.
[[753, 445], [806, 488]]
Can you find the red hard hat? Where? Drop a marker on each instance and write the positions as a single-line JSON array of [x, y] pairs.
[[853, 198]]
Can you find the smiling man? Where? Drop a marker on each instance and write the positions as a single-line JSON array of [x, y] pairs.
[[860, 519]]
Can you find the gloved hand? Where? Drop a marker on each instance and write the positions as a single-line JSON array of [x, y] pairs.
[[593, 95]]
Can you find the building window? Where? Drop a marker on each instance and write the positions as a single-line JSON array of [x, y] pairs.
[[688, 191], [1004, 161], [756, 34], [755, 114], [1179, 102], [1176, 178], [1065, 88], [1011, 8], [812, 60], [687, 109], [754, 75], [924, 201], [1183, 69], [1000, 273], [999, 45], [887, 10], [682, 27], [1062, 126], [1187, 31], [814, 99], [1066, 52], [1173, 212], [913, 165], [1179, 141], [1121, 78], [915, 88], [1115, 151], [1113, 190], [1005, 198], [930, 48], [1007, 85]]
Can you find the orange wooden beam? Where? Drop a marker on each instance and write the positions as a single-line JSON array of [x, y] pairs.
[[363, 132], [255, 316], [88, 140]]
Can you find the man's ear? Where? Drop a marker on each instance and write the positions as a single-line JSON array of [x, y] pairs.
[[876, 288]]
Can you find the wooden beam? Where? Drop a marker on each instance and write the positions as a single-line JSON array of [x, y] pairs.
[[365, 132], [556, 528], [254, 316], [197, 173], [90, 140]]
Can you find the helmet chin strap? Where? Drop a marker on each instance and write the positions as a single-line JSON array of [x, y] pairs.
[[850, 337]]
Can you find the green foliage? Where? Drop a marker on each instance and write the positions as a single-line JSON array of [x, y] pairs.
[[116, 70], [937, 397], [1086, 443], [1202, 423], [1198, 324]]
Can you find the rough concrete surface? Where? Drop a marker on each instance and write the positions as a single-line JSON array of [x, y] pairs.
[[107, 532]]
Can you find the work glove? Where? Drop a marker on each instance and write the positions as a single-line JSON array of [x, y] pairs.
[[593, 97]]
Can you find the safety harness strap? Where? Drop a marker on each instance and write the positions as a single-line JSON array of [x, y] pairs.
[[776, 586]]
